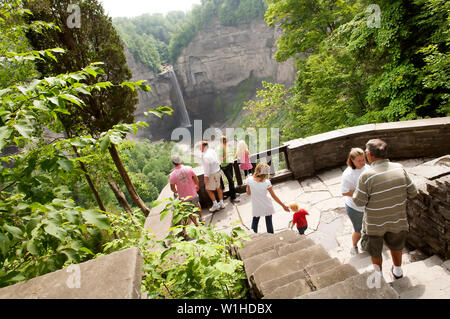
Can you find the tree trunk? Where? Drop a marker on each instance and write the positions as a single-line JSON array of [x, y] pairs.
[[126, 179], [119, 195], [90, 182]]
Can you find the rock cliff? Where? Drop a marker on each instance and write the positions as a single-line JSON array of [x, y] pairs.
[[221, 67]]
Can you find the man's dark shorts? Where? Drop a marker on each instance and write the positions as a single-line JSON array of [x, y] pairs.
[[394, 241]]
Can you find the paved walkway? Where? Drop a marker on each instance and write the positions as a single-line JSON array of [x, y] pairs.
[[328, 223]]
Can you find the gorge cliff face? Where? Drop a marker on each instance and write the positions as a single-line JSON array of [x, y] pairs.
[[221, 65]]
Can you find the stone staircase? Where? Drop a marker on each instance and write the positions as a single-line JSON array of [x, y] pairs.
[[287, 265]]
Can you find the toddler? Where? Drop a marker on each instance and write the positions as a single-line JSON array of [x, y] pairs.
[[299, 218]]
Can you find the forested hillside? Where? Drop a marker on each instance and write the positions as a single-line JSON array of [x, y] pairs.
[[157, 39], [73, 186], [358, 63]]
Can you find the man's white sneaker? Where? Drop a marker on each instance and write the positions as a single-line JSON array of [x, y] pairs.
[[221, 205], [214, 207]]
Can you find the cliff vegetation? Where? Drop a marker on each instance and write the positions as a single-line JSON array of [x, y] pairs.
[[358, 63], [157, 39]]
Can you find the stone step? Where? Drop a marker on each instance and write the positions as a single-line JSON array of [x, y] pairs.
[[287, 248], [322, 266], [419, 267], [355, 287], [267, 287], [296, 288], [302, 286], [258, 246], [332, 276], [446, 265], [280, 249], [431, 284], [433, 261], [252, 263], [287, 264], [362, 261], [424, 279], [259, 236], [255, 236], [247, 243]]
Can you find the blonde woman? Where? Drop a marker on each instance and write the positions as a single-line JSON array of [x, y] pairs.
[[243, 155], [356, 164], [259, 187]]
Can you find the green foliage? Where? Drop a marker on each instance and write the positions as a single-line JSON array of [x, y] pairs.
[[95, 40], [36, 239], [149, 166], [351, 72], [42, 229], [174, 268], [265, 110], [156, 39], [13, 40], [147, 36]]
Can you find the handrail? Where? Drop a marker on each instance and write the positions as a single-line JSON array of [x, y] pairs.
[[264, 154]]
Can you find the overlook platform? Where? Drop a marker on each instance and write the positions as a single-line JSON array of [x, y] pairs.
[[330, 227], [312, 178]]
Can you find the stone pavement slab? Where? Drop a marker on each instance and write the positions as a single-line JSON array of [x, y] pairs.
[[114, 276], [331, 177], [313, 184], [423, 281], [355, 287]]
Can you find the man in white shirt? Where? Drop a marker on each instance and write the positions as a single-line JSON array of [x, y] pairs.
[[211, 170]]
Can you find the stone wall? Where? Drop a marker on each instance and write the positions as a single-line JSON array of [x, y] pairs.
[[429, 215], [407, 139]]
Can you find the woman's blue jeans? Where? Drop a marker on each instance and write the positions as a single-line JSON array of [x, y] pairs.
[[269, 224]]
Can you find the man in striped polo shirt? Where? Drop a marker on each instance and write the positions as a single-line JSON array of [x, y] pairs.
[[383, 189]]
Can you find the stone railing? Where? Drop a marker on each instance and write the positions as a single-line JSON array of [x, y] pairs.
[[117, 275], [408, 139], [266, 156], [429, 215]]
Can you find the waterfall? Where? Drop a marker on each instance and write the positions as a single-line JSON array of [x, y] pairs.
[[185, 122]]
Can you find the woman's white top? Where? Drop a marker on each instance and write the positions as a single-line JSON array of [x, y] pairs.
[[262, 204], [349, 182]]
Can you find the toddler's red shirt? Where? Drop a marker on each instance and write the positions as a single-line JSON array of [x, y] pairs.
[[300, 218]]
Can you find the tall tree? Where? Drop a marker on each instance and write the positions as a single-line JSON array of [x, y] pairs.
[[89, 36]]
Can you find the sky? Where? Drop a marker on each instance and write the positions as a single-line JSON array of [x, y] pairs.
[[132, 8]]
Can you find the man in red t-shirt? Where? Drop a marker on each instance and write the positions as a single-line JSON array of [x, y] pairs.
[[299, 218]]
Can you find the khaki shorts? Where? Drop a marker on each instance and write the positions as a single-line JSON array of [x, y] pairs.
[[394, 241], [213, 182]]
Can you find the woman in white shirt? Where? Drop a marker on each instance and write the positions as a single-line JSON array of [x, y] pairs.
[[356, 163], [259, 188]]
